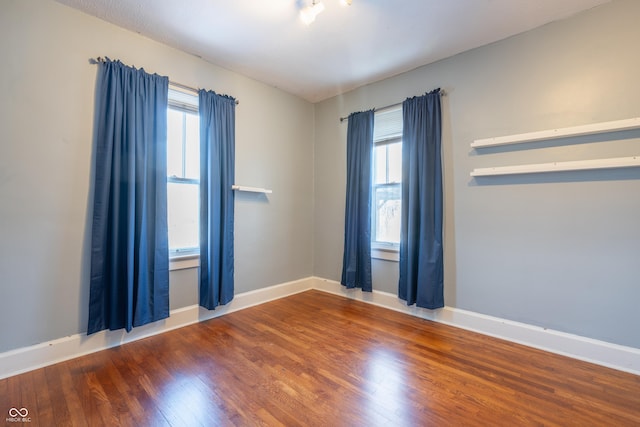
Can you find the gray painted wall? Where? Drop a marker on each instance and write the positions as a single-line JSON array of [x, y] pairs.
[[46, 115], [559, 250]]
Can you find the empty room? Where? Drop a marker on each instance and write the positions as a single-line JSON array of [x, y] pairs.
[[320, 213]]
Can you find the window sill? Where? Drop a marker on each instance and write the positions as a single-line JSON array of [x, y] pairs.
[[385, 253], [181, 262]]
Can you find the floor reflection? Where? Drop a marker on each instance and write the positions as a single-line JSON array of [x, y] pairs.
[[189, 401], [386, 381]]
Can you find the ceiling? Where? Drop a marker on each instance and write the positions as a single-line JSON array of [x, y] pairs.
[[346, 47]]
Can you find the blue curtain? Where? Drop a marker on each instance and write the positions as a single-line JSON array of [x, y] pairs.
[[421, 259], [356, 263], [129, 245], [217, 171]]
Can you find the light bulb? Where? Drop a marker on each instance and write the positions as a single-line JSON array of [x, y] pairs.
[[309, 13]]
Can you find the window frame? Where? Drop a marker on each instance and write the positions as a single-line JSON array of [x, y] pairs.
[[182, 101], [383, 250]]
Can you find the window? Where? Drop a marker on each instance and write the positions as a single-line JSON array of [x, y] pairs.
[[387, 179], [183, 173]]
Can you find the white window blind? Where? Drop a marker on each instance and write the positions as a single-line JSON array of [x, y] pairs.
[[388, 125], [181, 99]]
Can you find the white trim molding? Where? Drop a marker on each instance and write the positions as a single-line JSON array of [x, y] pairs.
[[184, 262], [589, 350], [614, 356], [25, 359], [385, 254]]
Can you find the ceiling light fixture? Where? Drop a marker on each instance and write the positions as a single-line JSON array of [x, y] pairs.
[[345, 3], [308, 13]]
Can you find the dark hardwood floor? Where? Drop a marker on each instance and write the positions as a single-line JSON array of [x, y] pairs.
[[316, 359]]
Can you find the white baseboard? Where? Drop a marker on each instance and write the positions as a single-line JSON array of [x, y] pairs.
[[590, 350], [25, 359], [599, 352]]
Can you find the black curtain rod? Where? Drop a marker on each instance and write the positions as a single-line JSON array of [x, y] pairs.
[[180, 85], [386, 107]]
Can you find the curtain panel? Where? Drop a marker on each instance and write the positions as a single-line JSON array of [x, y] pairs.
[[356, 263], [217, 175], [129, 283], [421, 254]]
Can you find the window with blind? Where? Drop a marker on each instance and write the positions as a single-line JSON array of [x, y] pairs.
[[183, 173], [387, 178]]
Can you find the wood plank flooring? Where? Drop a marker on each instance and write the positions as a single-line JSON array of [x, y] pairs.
[[316, 359]]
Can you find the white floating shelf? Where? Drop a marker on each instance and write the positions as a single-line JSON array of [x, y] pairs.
[[251, 189], [613, 163], [592, 129]]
